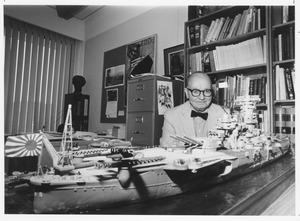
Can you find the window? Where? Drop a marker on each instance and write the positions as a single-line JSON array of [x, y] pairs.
[[38, 67]]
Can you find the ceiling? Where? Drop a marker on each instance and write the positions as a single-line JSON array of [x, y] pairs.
[[80, 12]]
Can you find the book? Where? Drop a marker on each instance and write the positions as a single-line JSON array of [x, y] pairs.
[[291, 13], [193, 63], [292, 42], [276, 15], [281, 90], [262, 120], [227, 28], [238, 21], [285, 121], [216, 60], [215, 30], [203, 32], [285, 14], [221, 25], [248, 20], [206, 62], [254, 19], [279, 47], [233, 24], [251, 87], [210, 30], [212, 61], [197, 34], [290, 122], [280, 125], [223, 29], [289, 84], [242, 22], [263, 89], [286, 46], [258, 19], [293, 77], [264, 48], [276, 48], [192, 35]]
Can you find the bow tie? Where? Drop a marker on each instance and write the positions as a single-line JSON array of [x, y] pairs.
[[199, 114]]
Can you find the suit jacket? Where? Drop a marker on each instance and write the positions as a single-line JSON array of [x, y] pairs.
[[178, 121]]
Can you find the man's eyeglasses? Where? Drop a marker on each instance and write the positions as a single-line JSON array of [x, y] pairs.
[[196, 92]]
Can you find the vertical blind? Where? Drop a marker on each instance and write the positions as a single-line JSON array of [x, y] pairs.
[[37, 71]]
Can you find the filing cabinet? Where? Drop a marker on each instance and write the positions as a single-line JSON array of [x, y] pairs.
[[143, 120]]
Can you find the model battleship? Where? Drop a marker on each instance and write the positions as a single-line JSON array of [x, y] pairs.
[[117, 173]]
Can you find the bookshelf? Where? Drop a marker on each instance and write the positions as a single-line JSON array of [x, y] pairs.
[[242, 49], [282, 78], [231, 45]]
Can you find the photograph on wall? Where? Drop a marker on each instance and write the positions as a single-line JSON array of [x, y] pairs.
[[114, 76], [141, 56], [164, 96], [112, 103], [174, 60]]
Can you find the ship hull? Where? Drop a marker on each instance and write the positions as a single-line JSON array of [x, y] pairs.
[[97, 192]]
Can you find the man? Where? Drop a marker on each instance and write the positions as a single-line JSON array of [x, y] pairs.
[[185, 119]]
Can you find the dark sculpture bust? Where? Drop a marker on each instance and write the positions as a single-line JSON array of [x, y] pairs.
[[78, 82]]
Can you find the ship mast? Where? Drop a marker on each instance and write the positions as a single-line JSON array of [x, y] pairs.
[[66, 147]]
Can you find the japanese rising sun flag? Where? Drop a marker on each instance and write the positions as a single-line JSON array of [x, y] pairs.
[[24, 145]]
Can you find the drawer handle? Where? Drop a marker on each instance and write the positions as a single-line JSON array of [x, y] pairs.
[[139, 119], [140, 87], [137, 132], [139, 99]]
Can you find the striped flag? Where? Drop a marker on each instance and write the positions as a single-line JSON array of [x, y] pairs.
[[24, 145]]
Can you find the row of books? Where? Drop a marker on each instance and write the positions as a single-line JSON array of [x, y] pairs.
[[285, 120], [250, 52], [225, 27], [241, 85], [283, 14], [284, 45], [263, 120], [285, 83]]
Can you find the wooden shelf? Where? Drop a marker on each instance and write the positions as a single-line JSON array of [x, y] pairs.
[[284, 102], [283, 25], [227, 41], [231, 71], [284, 62]]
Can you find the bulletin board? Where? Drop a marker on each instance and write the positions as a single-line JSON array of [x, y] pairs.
[[120, 64], [113, 109]]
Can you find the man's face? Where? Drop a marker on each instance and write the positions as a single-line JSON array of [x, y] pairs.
[[201, 102]]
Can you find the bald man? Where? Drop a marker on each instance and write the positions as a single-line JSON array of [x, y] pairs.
[[195, 117]]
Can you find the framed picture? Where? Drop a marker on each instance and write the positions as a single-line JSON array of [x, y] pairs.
[[141, 56], [114, 76], [174, 60]]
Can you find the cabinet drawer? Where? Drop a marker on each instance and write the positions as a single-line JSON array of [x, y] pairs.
[[140, 96], [140, 128]]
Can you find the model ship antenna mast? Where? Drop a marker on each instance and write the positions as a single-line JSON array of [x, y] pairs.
[[66, 146]]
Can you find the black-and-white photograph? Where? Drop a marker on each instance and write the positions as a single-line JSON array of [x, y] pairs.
[[174, 60], [164, 111], [115, 76]]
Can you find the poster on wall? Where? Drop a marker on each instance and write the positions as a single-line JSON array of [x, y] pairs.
[[165, 96], [114, 76], [112, 103], [141, 56]]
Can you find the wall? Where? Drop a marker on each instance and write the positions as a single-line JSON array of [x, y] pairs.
[[165, 21]]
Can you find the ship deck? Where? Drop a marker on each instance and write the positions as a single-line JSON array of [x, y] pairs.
[[240, 196]]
